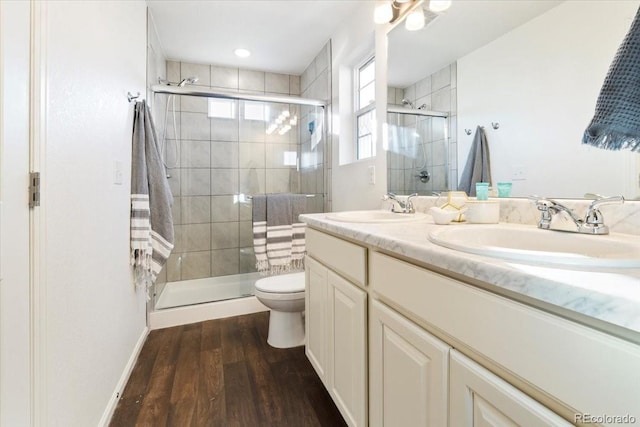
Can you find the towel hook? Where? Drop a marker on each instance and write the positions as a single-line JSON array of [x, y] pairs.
[[495, 125], [467, 131], [132, 97]]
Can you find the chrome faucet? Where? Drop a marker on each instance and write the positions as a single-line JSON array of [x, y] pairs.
[[403, 207], [593, 222]]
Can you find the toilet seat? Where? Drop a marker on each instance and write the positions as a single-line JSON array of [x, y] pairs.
[[283, 284]]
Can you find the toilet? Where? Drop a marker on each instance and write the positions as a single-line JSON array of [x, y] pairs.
[[284, 296]]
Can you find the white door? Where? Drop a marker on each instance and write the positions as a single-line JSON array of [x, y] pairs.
[[15, 378], [408, 372], [479, 398], [316, 316], [347, 314]]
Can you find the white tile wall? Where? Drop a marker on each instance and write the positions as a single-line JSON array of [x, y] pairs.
[[195, 154], [276, 83], [224, 77], [252, 80], [202, 72]]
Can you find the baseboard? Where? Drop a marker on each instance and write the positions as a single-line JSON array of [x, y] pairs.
[[200, 312], [122, 382]]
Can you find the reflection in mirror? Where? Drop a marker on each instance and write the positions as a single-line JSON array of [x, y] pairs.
[[417, 151], [536, 71]]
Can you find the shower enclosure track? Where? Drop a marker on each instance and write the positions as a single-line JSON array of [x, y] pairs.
[[415, 111], [211, 93]]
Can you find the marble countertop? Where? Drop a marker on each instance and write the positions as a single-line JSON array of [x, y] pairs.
[[606, 299]]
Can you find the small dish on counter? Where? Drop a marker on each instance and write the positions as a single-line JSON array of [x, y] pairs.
[[443, 216]]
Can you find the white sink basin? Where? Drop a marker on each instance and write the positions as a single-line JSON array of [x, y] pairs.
[[375, 216], [527, 243]]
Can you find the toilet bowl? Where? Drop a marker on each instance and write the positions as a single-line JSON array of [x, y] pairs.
[[284, 296]]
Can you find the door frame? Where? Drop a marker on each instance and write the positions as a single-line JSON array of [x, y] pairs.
[[22, 296]]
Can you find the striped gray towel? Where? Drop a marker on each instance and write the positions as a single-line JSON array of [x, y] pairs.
[[278, 237], [259, 208], [151, 200], [298, 246]]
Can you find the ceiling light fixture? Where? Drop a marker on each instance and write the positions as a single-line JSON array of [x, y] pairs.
[[242, 53], [439, 5], [383, 13], [391, 11], [415, 20]]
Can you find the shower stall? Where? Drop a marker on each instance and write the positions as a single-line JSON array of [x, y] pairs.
[[417, 150], [220, 149]]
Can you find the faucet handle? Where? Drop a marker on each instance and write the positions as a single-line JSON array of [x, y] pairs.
[[594, 219], [543, 204], [593, 216], [606, 201]]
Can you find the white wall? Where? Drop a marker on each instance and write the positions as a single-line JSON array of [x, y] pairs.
[[353, 39], [540, 82], [95, 53]]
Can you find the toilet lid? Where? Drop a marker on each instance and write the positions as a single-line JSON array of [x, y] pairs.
[[285, 283]]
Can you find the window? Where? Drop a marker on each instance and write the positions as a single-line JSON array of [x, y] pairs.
[[365, 109], [222, 108]]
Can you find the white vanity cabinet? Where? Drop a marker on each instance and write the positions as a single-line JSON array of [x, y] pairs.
[[443, 352], [409, 372], [572, 368], [336, 321]]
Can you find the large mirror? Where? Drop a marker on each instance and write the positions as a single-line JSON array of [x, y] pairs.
[[529, 74]]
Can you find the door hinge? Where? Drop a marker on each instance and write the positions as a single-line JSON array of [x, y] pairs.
[[34, 189]]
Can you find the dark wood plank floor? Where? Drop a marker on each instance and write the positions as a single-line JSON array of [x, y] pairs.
[[223, 373]]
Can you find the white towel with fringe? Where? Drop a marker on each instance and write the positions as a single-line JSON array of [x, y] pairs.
[[151, 200]]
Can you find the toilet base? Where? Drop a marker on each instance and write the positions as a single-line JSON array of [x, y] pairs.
[[286, 329]]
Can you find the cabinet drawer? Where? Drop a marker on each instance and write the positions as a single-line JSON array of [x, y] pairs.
[[554, 354], [339, 255], [479, 398]]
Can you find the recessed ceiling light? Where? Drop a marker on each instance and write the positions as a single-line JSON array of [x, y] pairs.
[[242, 53]]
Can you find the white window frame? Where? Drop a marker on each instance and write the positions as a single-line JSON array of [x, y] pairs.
[[361, 111]]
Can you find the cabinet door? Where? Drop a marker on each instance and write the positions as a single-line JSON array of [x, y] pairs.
[[347, 313], [408, 372], [316, 316], [479, 398]]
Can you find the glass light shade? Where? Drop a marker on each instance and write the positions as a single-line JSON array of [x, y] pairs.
[[242, 53], [382, 13], [414, 21], [439, 5]]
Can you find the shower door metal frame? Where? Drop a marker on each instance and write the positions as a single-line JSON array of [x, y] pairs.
[[222, 94], [210, 93]]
